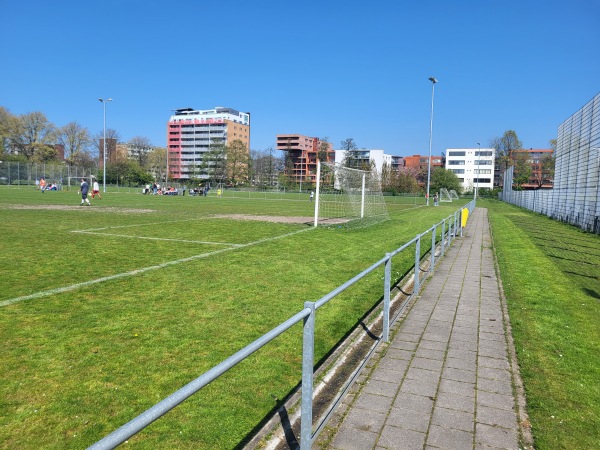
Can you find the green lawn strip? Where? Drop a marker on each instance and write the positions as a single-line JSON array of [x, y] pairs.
[[79, 364], [553, 303]]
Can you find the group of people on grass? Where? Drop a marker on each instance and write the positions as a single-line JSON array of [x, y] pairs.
[[156, 189], [44, 186]]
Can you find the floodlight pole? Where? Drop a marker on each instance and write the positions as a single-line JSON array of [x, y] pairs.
[[433, 81], [104, 142], [477, 179]]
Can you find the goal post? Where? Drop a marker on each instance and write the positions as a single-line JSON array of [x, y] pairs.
[[445, 195], [345, 195]]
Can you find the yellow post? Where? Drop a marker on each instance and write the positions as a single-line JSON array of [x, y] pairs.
[[464, 216]]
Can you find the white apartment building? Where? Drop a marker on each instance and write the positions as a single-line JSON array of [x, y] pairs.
[[474, 167], [369, 158]]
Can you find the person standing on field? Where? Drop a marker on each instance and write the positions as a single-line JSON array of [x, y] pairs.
[[312, 195], [42, 184], [83, 190], [96, 189]]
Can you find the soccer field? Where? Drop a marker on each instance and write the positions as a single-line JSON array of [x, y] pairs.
[[105, 310]]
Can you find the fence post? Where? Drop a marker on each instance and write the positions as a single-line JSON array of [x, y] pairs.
[[443, 236], [417, 264], [386, 297], [308, 352], [433, 236], [460, 221]]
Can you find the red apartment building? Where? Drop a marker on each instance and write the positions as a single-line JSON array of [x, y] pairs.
[[420, 162], [537, 179], [302, 152]]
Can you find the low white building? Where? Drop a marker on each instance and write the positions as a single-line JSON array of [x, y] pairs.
[[365, 158], [474, 167]]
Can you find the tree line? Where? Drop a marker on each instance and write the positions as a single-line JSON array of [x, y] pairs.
[[32, 138]]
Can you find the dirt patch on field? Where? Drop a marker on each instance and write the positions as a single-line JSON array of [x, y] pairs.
[[280, 219], [78, 208]]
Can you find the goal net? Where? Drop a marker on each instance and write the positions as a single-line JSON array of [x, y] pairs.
[[445, 195], [453, 194], [345, 195]]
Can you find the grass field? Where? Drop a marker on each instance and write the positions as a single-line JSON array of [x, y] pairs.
[[551, 276], [105, 310]]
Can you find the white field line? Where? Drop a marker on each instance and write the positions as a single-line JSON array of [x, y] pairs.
[[160, 239], [140, 271], [134, 225]]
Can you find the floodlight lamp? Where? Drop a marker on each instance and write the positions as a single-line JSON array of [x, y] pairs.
[[433, 80]]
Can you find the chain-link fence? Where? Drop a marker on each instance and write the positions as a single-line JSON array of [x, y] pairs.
[[17, 173], [574, 198]]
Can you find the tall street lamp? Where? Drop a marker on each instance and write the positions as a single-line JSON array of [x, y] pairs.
[[104, 101], [433, 81], [477, 179]]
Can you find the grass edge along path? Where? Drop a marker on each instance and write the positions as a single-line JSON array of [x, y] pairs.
[[554, 319]]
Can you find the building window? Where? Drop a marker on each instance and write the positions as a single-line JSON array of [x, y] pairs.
[[457, 162], [456, 153]]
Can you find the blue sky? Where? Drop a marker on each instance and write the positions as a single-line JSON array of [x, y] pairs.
[[336, 69]]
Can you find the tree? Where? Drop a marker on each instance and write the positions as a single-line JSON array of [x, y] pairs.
[[238, 159], [323, 149], [140, 146], [265, 167], [522, 172], [398, 181], [6, 119], [98, 137], [505, 146], [442, 178], [75, 139], [547, 164], [84, 160], [350, 148], [32, 133], [214, 162], [157, 162]]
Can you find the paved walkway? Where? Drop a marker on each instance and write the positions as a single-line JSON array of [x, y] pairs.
[[445, 380]]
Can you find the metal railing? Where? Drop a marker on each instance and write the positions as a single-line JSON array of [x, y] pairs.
[[451, 227]]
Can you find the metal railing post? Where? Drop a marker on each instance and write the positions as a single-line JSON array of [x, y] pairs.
[[308, 352], [460, 221], [386, 297], [443, 236], [417, 264], [433, 236]]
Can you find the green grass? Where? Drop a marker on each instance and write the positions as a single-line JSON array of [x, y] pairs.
[[551, 276], [78, 363]]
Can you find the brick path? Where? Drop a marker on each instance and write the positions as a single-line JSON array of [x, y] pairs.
[[445, 380]]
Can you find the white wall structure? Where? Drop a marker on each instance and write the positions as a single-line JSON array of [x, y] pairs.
[[575, 198], [370, 157], [474, 167]]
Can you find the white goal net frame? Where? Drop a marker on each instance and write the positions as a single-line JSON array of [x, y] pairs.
[[453, 194], [445, 195], [344, 195]]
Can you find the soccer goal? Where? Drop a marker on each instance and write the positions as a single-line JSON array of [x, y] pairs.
[[453, 194], [346, 195], [445, 195], [75, 182]]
